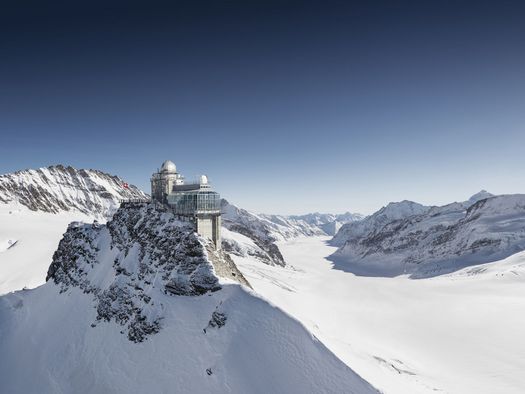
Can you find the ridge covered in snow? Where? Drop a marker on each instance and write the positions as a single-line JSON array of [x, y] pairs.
[[137, 306], [408, 238], [328, 222], [57, 189], [393, 211], [257, 234]]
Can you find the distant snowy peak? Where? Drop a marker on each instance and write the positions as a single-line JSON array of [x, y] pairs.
[[402, 209], [327, 222], [58, 188], [480, 196], [399, 211], [438, 240], [393, 211]]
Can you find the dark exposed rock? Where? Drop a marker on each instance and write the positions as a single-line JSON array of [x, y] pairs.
[[218, 319], [139, 254]]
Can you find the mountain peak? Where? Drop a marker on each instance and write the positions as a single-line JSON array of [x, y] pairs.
[[58, 188], [402, 209], [483, 194]]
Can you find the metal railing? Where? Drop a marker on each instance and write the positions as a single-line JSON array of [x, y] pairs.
[[135, 200]]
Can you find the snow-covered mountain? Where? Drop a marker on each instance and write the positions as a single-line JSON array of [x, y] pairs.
[[138, 305], [259, 233], [327, 222], [477, 197], [408, 238], [36, 207], [58, 189], [256, 235], [393, 211]]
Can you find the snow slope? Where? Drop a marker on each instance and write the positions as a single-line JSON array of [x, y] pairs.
[[35, 208], [430, 241], [37, 235], [460, 333], [136, 306]]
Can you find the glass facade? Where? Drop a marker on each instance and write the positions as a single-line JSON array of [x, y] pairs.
[[195, 202]]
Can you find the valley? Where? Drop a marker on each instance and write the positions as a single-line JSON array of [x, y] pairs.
[[458, 333]]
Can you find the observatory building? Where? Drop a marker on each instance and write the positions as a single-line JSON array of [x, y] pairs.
[[192, 201]]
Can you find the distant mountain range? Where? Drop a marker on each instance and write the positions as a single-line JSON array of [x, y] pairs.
[[401, 238], [421, 241], [257, 234]]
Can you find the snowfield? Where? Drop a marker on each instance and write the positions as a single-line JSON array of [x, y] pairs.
[[460, 333], [48, 346], [37, 234]]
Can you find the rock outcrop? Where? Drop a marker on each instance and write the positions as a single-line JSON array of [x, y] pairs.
[[138, 253]]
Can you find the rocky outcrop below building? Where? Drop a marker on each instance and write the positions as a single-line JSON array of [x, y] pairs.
[[139, 250]]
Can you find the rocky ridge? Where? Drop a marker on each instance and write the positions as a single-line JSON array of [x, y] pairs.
[[57, 189], [139, 253]]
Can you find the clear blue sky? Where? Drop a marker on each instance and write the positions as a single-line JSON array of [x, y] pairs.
[[289, 107]]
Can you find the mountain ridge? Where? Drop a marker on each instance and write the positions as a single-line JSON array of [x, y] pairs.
[[62, 188], [139, 297], [434, 241]]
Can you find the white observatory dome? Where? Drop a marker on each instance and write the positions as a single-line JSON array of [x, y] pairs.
[[168, 166]]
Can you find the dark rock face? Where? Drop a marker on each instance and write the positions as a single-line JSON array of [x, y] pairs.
[[58, 188], [76, 251], [126, 264], [218, 319]]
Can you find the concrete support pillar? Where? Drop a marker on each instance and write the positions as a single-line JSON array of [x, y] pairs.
[[217, 231]]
